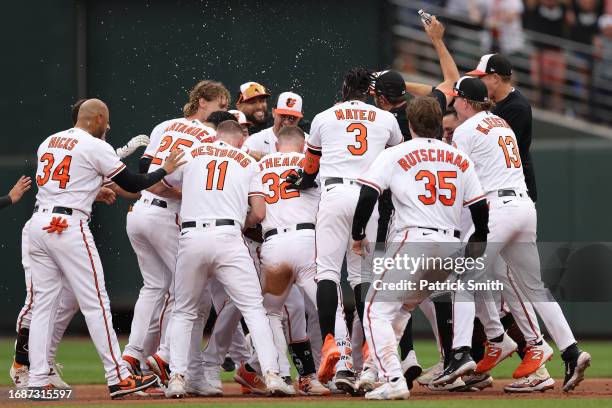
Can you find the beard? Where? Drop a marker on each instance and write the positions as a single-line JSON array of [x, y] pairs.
[[258, 117]]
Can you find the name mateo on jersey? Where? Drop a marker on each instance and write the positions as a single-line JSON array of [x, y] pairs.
[[487, 124], [355, 114], [433, 155], [220, 152], [199, 133], [277, 162], [67, 143]]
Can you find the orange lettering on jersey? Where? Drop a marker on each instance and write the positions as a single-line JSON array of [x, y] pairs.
[[417, 155], [339, 114], [222, 152], [430, 155], [298, 161], [269, 163], [482, 129], [403, 164], [411, 160], [231, 154], [285, 161], [362, 115], [371, 116], [440, 155], [349, 114], [450, 157], [277, 162], [461, 163]]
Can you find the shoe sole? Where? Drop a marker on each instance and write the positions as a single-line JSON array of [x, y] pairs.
[[246, 384], [481, 385], [467, 368], [548, 384], [584, 362], [314, 394], [367, 387], [203, 394], [123, 393], [158, 370], [328, 368], [411, 374], [279, 393], [348, 387], [403, 396]]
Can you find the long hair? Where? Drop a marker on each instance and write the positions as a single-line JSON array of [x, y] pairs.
[[356, 84]]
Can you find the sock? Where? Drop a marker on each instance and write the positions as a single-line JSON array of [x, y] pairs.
[[21, 347], [327, 303], [515, 334], [406, 344], [570, 353], [360, 294], [301, 354], [444, 320], [249, 368], [478, 341], [497, 339]]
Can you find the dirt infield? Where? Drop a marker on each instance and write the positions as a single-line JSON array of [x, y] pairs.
[[98, 394]]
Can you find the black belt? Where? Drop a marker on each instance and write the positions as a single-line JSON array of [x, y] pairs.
[[303, 226], [456, 233], [337, 180], [58, 210], [218, 223], [159, 203], [508, 193]]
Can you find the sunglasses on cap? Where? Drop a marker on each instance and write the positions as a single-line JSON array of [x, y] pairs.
[[252, 91]]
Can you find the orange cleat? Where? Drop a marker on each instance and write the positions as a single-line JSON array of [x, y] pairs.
[[535, 357], [250, 380], [496, 353], [329, 357]]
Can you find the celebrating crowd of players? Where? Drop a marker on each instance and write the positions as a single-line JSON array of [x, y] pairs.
[[247, 212]]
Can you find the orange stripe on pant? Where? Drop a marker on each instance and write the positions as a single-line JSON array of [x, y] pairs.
[[95, 274]]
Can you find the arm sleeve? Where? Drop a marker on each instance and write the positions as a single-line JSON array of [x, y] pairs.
[[154, 141], [144, 164], [314, 140], [5, 201], [440, 97], [521, 123], [134, 183], [480, 218], [365, 206], [396, 136]]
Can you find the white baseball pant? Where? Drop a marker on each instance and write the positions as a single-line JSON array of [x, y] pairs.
[[70, 257]]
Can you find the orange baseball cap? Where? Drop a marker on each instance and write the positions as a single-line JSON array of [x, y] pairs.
[[251, 90], [289, 103]]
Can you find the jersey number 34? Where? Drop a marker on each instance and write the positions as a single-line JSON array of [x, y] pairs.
[[61, 173]]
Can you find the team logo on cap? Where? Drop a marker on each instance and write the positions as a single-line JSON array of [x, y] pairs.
[[290, 102]]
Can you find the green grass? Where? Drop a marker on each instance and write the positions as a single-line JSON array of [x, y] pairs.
[[82, 364]]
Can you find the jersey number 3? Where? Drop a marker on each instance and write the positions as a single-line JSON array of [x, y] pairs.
[[435, 184], [361, 142], [61, 173]]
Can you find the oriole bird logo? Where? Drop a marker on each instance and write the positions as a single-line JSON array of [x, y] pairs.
[[291, 102]]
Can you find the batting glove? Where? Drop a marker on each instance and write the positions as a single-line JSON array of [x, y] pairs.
[[132, 145]]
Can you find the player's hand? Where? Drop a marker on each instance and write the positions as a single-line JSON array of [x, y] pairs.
[[23, 184], [132, 145], [361, 248], [173, 161], [106, 196], [435, 30], [476, 246], [297, 181]]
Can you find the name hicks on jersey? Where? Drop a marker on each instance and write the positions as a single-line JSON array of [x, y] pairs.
[[448, 285]]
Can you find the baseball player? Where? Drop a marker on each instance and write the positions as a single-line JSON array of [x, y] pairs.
[[430, 182], [492, 145], [253, 102], [289, 223], [218, 183], [156, 252], [242, 121], [71, 166], [345, 139], [68, 305]]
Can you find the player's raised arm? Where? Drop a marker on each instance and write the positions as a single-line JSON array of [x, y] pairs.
[[136, 182], [23, 184]]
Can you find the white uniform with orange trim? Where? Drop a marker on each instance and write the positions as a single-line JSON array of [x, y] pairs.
[[350, 136], [71, 166], [216, 183], [430, 182], [492, 145], [153, 230]]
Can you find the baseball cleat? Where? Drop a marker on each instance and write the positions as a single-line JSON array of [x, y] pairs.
[[495, 353], [202, 389], [310, 385], [345, 381], [456, 385], [131, 385], [390, 390], [411, 368], [277, 387], [477, 381], [212, 376], [228, 364], [460, 364], [54, 377], [535, 357], [329, 357], [176, 386], [574, 370], [367, 380], [133, 365], [20, 374], [430, 373], [251, 380], [538, 381], [159, 367]]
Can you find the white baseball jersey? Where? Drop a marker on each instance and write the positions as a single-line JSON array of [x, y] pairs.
[[492, 145], [71, 167], [430, 182], [264, 141], [216, 182], [285, 208], [170, 135], [350, 136]]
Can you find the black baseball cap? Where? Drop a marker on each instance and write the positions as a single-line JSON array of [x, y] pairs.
[[390, 83], [492, 64], [470, 88]]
